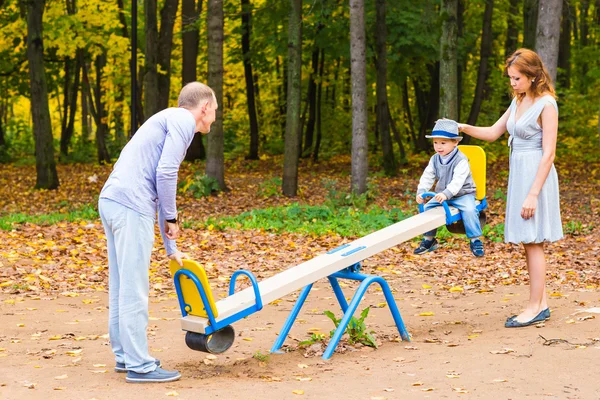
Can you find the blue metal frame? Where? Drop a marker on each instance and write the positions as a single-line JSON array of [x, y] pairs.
[[348, 309], [214, 325], [450, 219]]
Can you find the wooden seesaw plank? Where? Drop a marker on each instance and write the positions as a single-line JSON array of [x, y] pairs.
[[320, 267]]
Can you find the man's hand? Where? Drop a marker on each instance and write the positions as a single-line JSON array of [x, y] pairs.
[[440, 197], [171, 230], [179, 256]]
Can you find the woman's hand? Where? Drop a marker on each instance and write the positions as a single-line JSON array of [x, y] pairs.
[[529, 206]]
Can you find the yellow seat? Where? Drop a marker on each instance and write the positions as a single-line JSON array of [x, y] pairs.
[[189, 291], [476, 157]]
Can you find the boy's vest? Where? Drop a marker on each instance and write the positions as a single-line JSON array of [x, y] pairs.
[[444, 174]]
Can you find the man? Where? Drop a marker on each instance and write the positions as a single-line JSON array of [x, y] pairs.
[[144, 180]]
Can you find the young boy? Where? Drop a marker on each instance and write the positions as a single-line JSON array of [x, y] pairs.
[[450, 168]]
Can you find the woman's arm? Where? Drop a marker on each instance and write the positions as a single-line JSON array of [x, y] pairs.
[[550, 132], [489, 133]]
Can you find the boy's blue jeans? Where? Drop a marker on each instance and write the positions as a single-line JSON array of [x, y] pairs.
[[129, 238], [468, 212]]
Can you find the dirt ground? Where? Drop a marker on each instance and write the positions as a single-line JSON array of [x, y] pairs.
[[55, 346]]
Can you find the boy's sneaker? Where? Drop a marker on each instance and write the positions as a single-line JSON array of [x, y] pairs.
[[477, 248], [426, 245], [158, 375], [120, 367]]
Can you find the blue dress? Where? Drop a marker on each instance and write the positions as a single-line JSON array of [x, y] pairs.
[[525, 142]]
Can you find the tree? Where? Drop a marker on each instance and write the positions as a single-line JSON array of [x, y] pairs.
[[158, 54], [215, 157], [548, 34], [246, 31], [564, 46], [97, 106], [485, 53], [512, 30], [190, 18], [47, 177], [448, 61], [294, 92], [383, 113], [360, 162], [530, 20]]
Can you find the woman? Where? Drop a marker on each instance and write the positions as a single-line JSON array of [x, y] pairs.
[[532, 204]]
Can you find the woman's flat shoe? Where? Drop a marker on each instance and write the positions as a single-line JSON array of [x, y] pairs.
[[541, 317]]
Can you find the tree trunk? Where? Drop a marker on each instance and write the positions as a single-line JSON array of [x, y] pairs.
[[530, 20], [215, 158], [70, 92], [319, 106], [312, 100], [97, 107], [548, 34], [294, 94], [564, 47], [485, 54], [448, 61], [408, 113], [151, 59], [246, 32], [358, 66], [583, 41], [168, 14], [512, 31], [398, 138], [432, 106], [190, 41], [47, 177], [383, 114], [461, 62]]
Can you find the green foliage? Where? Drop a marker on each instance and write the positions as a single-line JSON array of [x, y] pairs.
[[260, 356], [576, 228], [356, 329], [340, 198], [84, 213], [315, 220], [270, 188], [316, 337], [494, 233], [200, 185]]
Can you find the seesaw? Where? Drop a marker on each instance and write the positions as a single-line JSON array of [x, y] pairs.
[[209, 329]]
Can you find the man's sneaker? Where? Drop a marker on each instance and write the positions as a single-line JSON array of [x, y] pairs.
[[477, 248], [426, 245], [158, 375], [120, 367]]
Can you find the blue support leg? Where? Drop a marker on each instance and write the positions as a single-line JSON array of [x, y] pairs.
[[346, 318], [354, 305], [339, 294], [290, 320], [389, 298]]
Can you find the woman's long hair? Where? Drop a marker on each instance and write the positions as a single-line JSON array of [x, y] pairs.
[[528, 63]]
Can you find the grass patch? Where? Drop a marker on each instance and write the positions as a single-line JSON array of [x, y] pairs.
[[85, 213], [314, 220]]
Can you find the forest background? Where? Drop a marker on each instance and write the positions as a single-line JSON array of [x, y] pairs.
[[69, 97]]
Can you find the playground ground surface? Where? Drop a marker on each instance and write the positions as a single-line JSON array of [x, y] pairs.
[[54, 346], [53, 302]]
